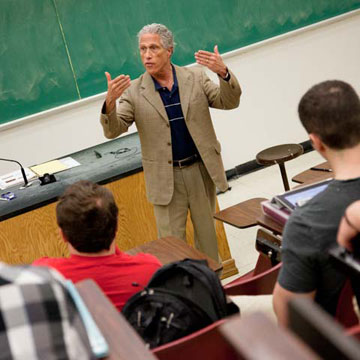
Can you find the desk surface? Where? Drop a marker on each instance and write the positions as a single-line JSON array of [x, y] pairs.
[[242, 215], [310, 176], [171, 249], [256, 337], [119, 158]]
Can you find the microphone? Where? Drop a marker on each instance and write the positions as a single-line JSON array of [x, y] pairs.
[[26, 182]]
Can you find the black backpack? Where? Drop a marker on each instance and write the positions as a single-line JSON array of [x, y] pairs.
[[180, 298]]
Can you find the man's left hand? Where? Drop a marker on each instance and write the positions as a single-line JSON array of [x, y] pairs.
[[213, 61]]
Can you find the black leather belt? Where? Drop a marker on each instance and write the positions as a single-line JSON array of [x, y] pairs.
[[187, 161]]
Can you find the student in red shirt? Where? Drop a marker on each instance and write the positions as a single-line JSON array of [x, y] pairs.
[[87, 216]]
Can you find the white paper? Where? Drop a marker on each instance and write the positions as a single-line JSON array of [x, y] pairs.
[[15, 178], [69, 162]]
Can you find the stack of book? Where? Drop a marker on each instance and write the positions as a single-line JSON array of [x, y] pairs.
[[277, 212], [280, 207]]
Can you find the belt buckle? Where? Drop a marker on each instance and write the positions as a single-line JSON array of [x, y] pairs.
[[180, 162], [191, 159]]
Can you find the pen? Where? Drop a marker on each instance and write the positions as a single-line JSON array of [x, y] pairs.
[[321, 169], [97, 154]]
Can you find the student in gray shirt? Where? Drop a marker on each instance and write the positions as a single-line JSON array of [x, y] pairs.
[[330, 113]]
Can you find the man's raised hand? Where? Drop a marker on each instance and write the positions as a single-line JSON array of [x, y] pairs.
[[116, 87], [213, 61]]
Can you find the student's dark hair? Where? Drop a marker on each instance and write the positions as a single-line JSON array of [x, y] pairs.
[[87, 215], [331, 110]]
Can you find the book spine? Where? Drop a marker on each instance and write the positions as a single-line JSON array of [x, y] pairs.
[[275, 214]]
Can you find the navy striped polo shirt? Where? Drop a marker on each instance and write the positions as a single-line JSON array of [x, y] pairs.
[[183, 145]]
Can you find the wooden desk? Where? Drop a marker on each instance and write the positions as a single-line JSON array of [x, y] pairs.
[[242, 215], [270, 224], [316, 328], [256, 337], [123, 341], [28, 228], [310, 176], [171, 249]]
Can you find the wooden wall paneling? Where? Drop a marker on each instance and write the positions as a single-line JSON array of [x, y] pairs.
[[31, 235]]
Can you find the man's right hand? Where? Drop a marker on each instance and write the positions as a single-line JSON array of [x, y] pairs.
[[116, 87]]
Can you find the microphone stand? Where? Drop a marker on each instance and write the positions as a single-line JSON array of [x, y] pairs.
[[26, 182]]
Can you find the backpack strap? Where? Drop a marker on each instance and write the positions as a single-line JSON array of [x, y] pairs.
[[200, 270]]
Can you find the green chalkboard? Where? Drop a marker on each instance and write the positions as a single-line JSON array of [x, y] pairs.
[[34, 70], [54, 52]]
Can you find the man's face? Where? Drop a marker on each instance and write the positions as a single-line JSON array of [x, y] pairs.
[[155, 58]]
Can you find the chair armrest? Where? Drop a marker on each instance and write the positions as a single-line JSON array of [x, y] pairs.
[[261, 284]]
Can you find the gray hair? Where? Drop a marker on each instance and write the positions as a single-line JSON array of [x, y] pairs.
[[166, 36]]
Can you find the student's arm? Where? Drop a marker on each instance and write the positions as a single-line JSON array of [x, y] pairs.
[[349, 225], [281, 297], [298, 274]]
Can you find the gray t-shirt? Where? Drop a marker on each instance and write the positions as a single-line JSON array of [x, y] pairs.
[[308, 234]]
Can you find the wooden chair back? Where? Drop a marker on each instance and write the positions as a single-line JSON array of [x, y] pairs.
[[256, 337], [320, 332]]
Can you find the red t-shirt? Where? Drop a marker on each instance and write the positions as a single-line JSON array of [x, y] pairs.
[[115, 273]]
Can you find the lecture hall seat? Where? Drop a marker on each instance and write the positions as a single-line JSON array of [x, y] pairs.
[[354, 331], [207, 343], [262, 279], [345, 313], [251, 284]]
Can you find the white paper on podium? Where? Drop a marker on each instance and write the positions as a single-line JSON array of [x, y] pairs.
[[15, 178], [55, 166]]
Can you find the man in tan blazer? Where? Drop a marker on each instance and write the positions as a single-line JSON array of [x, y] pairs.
[[181, 155]]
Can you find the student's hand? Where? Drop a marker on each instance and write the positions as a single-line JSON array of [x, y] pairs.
[[349, 226], [213, 61], [116, 87]]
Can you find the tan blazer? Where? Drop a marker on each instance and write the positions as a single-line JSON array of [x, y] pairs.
[[142, 103]]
